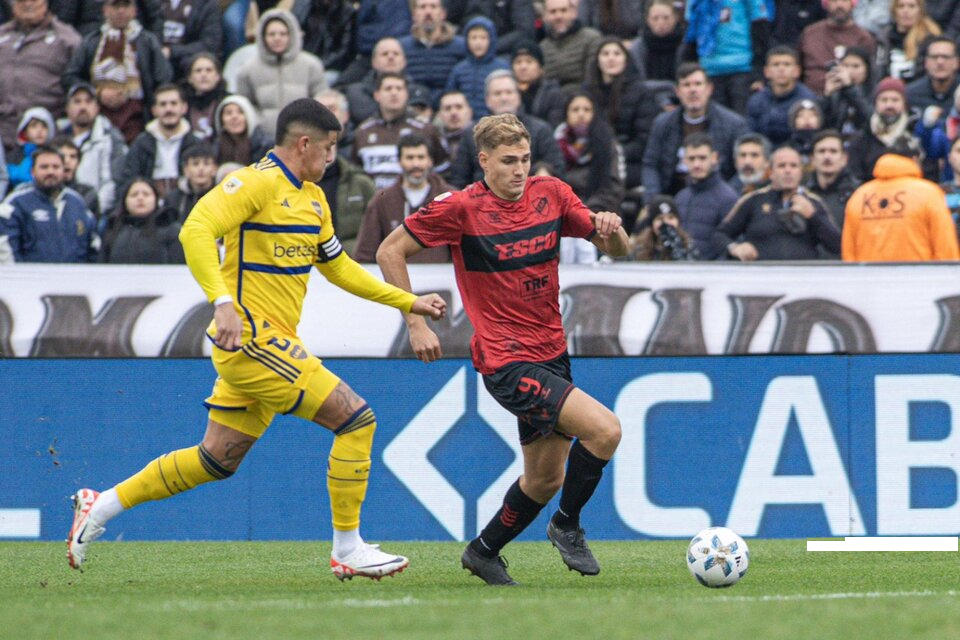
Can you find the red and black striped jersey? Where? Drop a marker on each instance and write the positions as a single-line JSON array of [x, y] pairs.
[[505, 256]]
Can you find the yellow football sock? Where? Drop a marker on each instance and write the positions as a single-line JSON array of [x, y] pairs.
[[170, 474], [348, 468]]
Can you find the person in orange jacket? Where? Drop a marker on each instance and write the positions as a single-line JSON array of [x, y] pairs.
[[898, 216]]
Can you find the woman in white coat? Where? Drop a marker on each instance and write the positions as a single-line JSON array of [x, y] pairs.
[[281, 72]]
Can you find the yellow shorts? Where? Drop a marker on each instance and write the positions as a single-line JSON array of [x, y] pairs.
[[273, 373]]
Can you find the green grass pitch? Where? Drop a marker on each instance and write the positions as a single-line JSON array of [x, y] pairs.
[[234, 591]]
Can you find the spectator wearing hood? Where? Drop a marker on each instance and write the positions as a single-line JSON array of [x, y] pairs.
[[281, 72], [805, 119], [469, 75], [140, 231], [36, 128], [513, 21], [35, 47], [239, 137]]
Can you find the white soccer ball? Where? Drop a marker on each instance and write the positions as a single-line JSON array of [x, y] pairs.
[[718, 557]]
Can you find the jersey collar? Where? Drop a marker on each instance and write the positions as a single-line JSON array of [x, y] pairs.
[[292, 178]]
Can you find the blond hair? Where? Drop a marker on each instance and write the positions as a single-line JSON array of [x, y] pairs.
[[919, 32], [493, 131]]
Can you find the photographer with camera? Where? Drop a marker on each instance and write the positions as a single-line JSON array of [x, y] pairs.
[[779, 222], [659, 235]]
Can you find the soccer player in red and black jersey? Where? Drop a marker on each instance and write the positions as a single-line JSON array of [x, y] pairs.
[[504, 234]]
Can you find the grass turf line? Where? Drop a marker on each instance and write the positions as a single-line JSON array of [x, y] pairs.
[[240, 590]]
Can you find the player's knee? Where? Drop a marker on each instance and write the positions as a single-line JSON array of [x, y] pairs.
[[222, 460], [608, 433], [544, 486], [362, 418]]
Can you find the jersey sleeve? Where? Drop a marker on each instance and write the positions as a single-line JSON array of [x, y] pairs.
[[223, 209], [575, 214], [439, 223]]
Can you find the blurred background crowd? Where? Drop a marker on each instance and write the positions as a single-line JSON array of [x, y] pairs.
[[718, 129]]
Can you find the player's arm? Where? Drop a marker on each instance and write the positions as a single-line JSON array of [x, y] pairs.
[[611, 238], [221, 210], [392, 257], [343, 271]]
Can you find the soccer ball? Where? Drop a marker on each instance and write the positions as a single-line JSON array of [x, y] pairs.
[[717, 557]]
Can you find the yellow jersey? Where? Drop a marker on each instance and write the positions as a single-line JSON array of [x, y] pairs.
[[275, 229]]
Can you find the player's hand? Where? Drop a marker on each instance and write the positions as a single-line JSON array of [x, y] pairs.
[[605, 222], [229, 326], [425, 343], [430, 305], [743, 251]]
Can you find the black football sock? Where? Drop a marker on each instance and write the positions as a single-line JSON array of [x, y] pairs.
[[584, 471], [517, 512]]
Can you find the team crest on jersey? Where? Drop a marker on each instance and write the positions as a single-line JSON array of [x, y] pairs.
[[81, 228], [541, 205], [317, 207], [766, 207], [442, 196], [232, 185]]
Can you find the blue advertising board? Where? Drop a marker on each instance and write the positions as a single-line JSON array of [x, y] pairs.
[[771, 446]]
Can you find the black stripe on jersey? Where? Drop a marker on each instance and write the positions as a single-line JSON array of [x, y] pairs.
[[514, 250]]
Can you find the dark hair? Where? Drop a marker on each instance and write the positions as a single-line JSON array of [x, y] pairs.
[[169, 86], [66, 141], [42, 149], [412, 140], [308, 113], [688, 69], [754, 138], [609, 97], [931, 40], [200, 55], [864, 55], [782, 50], [823, 135], [392, 74], [600, 143], [202, 150], [699, 139], [118, 216]]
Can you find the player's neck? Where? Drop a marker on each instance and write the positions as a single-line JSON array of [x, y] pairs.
[[289, 161]]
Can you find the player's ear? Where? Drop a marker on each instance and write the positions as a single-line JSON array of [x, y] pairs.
[[482, 158]]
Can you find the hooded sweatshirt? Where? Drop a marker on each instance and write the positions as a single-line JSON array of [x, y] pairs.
[[898, 217], [272, 81], [19, 163], [244, 149], [470, 74]]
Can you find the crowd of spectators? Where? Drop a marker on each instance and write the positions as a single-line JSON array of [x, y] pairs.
[[719, 130]]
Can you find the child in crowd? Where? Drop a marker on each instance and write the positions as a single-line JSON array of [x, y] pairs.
[[470, 74]]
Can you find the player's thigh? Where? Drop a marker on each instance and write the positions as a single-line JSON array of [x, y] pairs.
[[583, 417], [227, 446], [534, 392], [271, 374]]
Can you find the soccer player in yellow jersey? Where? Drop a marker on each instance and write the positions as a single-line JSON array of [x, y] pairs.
[[276, 226]]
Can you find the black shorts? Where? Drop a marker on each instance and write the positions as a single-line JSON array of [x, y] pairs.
[[534, 392]]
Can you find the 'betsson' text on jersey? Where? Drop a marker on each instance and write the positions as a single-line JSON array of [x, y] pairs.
[[295, 250]]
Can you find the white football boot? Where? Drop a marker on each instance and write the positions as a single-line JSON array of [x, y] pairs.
[[84, 530], [367, 561]]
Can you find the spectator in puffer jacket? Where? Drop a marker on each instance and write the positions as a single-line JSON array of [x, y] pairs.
[[281, 72], [706, 199], [433, 47], [141, 232], [36, 128], [469, 74]]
